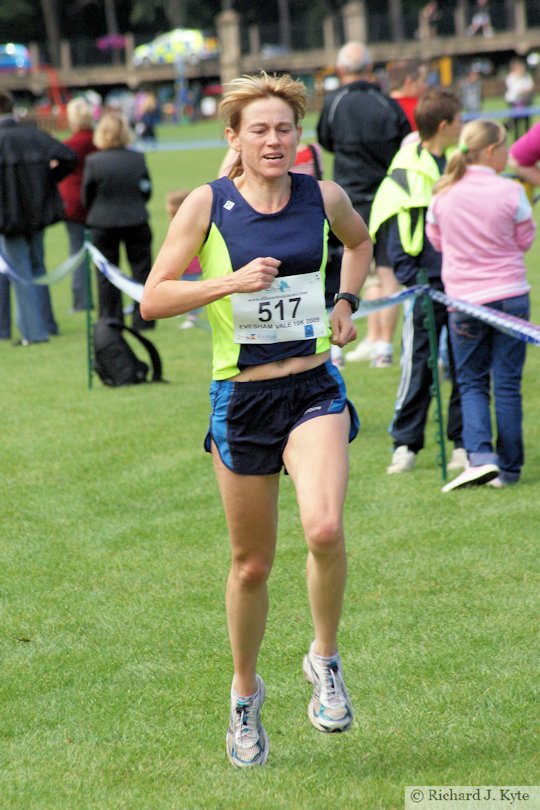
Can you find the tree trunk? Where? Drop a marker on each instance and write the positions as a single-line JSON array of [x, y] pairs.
[[396, 20], [52, 28], [510, 15], [461, 21], [284, 15], [112, 26], [175, 12], [110, 17]]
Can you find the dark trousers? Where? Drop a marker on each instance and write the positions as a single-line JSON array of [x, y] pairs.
[[520, 123], [414, 393], [137, 240]]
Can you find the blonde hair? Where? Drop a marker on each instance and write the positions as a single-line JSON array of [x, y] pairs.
[[112, 131], [475, 136], [79, 114], [246, 89]]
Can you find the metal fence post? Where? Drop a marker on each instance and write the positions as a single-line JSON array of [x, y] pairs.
[[429, 323], [88, 297]]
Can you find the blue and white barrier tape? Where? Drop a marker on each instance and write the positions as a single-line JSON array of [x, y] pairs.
[[367, 307], [110, 271], [132, 288], [516, 327], [509, 324], [55, 275]]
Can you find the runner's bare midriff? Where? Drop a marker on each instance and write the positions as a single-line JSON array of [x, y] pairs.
[[281, 368]]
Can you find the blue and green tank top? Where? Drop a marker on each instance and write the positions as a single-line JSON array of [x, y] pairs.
[[296, 235]]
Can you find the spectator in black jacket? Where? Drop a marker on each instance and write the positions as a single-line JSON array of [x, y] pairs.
[[116, 187], [364, 129], [31, 164]]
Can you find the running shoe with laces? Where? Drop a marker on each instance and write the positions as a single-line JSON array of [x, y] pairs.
[[329, 709], [247, 742]]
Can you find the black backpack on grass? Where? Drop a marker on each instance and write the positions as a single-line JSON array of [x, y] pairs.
[[115, 362]]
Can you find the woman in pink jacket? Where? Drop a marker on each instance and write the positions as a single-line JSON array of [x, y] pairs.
[[483, 225]]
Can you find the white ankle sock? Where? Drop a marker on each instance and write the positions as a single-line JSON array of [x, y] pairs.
[[325, 659], [244, 698], [383, 347]]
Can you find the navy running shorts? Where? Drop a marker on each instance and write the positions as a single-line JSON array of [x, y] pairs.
[[250, 422]]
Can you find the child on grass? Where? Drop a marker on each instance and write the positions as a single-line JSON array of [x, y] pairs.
[[483, 224]]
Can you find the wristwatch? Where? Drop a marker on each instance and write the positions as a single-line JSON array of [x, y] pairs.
[[352, 300]]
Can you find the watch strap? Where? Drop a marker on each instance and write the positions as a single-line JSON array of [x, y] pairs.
[[351, 299]]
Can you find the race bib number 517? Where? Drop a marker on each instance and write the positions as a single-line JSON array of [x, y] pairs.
[[293, 308]]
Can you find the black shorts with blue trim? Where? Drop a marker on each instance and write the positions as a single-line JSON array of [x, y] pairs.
[[251, 422]]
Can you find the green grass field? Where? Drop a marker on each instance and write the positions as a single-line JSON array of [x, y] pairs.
[[115, 667]]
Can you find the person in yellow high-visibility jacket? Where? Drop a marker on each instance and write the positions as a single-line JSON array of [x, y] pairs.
[[402, 200]]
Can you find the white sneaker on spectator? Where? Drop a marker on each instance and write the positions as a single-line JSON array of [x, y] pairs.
[[458, 459], [381, 361], [497, 483], [188, 323], [366, 350], [501, 483], [473, 476], [403, 460], [383, 355]]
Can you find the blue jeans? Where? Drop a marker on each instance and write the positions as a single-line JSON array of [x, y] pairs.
[[484, 355], [76, 231], [34, 316]]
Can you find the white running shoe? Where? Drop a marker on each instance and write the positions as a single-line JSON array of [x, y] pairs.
[[458, 460], [501, 483], [247, 742], [366, 350], [329, 709], [497, 483], [403, 460], [473, 476], [188, 323]]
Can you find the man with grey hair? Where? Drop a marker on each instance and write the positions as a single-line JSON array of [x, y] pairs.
[[364, 128]]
